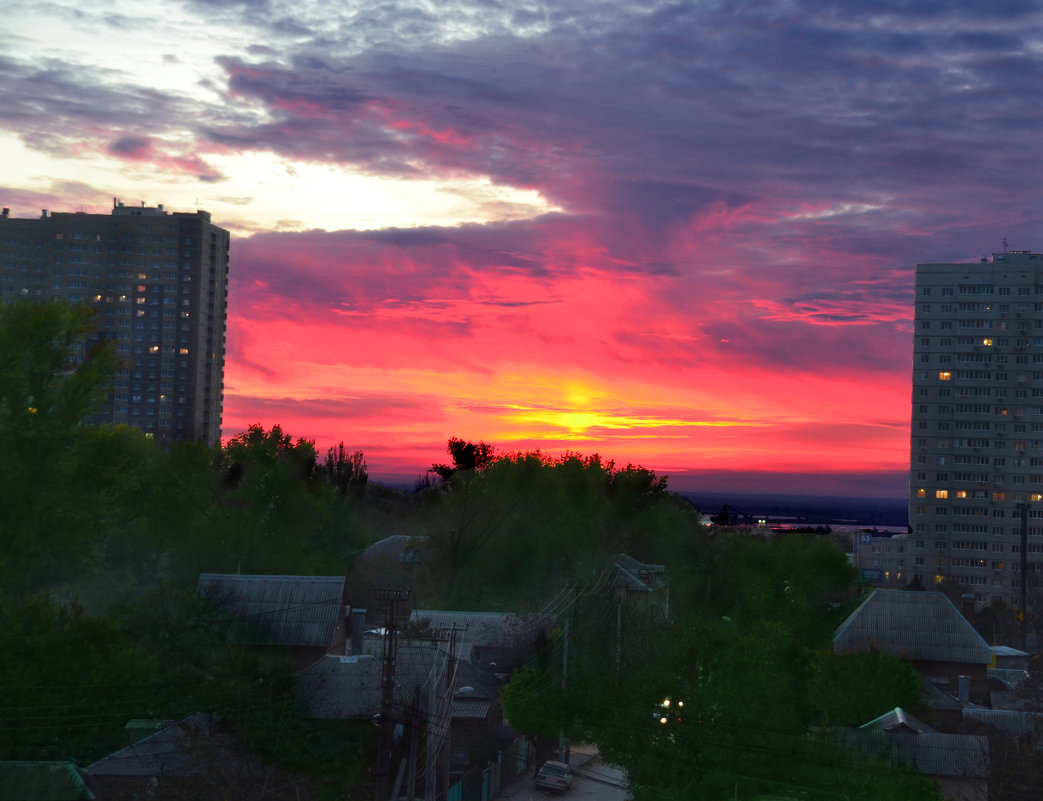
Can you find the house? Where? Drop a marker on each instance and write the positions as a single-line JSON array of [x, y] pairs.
[[198, 758], [924, 628], [307, 614], [640, 586], [42, 781], [501, 640], [389, 562], [959, 762]]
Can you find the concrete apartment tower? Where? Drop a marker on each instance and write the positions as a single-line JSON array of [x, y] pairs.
[[159, 283], [976, 467]]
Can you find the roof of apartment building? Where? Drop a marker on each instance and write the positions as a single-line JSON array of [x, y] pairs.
[[921, 626]]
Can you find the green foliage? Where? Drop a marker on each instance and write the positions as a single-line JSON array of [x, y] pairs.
[[510, 534], [60, 475], [272, 502], [852, 689]]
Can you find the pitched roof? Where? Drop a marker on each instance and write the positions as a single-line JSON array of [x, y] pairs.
[[344, 687], [921, 626], [931, 752], [42, 781], [172, 751], [897, 720], [283, 610], [637, 576], [499, 629]]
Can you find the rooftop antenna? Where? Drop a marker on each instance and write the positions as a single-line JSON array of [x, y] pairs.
[[1004, 244]]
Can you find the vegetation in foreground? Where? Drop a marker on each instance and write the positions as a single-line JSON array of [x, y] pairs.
[[104, 535]]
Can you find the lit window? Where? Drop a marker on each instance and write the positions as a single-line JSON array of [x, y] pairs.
[[183, 351], [961, 493], [941, 493], [999, 496], [945, 375], [921, 493], [986, 341], [1035, 496]]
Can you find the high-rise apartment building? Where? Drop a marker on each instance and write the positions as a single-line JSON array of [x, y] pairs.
[[159, 283], [976, 463]]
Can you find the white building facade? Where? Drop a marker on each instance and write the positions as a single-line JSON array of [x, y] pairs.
[[976, 463]]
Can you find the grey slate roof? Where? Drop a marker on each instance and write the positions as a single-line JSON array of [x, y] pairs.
[[283, 610], [172, 751], [921, 626], [42, 781]]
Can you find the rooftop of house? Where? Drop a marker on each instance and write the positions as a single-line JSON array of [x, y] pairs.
[[637, 576], [920, 626], [499, 629], [912, 742], [282, 610], [174, 750], [345, 687]]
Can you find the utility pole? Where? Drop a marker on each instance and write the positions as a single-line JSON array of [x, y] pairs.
[[391, 599]]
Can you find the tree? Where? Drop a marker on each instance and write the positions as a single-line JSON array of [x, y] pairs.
[[59, 472], [466, 456], [273, 502], [346, 472]]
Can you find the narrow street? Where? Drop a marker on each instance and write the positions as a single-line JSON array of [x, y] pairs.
[[594, 781]]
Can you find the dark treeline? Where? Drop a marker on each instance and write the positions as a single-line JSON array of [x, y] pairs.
[[103, 535]]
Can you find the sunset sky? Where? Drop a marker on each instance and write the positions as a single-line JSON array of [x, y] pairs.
[[676, 234]]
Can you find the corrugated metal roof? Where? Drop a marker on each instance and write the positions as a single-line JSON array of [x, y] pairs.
[[42, 781], [1010, 721], [897, 720], [474, 710], [284, 610], [172, 751], [933, 753], [923, 626]]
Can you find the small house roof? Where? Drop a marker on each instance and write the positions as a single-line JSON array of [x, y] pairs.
[[897, 720], [31, 780], [920, 626], [283, 610], [484, 629], [637, 576], [930, 751], [174, 750], [345, 687]]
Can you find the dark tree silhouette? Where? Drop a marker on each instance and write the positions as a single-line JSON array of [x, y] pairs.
[[466, 456]]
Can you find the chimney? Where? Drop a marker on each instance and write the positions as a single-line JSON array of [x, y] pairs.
[[7, 211], [358, 628], [964, 694], [43, 214]]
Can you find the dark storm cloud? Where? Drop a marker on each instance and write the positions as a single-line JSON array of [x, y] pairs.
[[684, 100]]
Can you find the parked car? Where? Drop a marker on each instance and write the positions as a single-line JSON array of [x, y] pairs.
[[556, 776]]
